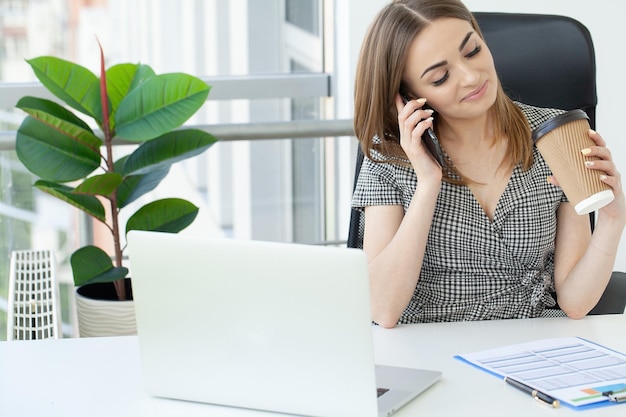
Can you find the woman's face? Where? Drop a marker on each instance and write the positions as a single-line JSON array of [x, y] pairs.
[[450, 65]]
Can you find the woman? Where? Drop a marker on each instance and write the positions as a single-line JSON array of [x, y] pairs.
[[485, 236]]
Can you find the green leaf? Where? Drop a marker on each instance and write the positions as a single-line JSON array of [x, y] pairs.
[[56, 150], [168, 215], [77, 132], [135, 186], [104, 185], [123, 78], [158, 105], [72, 83], [87, 203], [91, 265], [35, 106], [165, 150]]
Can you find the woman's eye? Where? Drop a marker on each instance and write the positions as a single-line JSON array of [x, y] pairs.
[[441, 80], [474, 52], [471, 54]]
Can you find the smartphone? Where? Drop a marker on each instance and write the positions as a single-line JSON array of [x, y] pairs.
[[429, 138]]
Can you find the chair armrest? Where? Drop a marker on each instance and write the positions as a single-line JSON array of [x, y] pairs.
[[613, 301]]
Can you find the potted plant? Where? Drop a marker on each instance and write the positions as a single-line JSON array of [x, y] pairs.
[[76, 165]]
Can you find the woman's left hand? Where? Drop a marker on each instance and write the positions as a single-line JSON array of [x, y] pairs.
[[599, 158]]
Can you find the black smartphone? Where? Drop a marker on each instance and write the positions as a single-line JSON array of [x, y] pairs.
[[429, 138]]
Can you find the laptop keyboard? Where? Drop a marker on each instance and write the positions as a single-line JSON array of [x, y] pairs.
[[381, 391]]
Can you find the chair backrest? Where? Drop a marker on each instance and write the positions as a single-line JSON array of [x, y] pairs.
[[33, 305], [542, 60]]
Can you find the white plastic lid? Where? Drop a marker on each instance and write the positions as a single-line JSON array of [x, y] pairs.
[[594, 202]]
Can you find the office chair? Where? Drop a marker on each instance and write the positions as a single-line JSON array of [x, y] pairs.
[[33, 305], [545, 61]]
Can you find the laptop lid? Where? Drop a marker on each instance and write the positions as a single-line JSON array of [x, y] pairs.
[[260, 325]]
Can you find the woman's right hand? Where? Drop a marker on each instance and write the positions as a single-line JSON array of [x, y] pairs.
[[413, 120]]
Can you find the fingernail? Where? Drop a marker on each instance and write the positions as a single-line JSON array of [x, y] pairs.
[[589, 163], [586, 151], [592, 131], [431, 111], [421, 100], [603, 177]]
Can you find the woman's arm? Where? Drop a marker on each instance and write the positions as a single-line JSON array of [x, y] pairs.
[[395, 241], [584, 263]]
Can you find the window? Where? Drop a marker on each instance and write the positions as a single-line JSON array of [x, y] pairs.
[[258, 189], [303, 14]]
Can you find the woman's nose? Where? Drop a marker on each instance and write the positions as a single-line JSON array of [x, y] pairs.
[[468, 75]]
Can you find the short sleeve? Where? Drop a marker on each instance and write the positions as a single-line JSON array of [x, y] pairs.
[[376, 185]]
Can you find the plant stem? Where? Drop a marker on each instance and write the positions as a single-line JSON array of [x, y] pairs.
[[120, 287]]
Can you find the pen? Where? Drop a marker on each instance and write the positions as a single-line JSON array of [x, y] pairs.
[[618, 397], [538, 395]]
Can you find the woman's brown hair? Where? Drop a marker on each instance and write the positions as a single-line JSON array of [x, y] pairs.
[[379, 70]]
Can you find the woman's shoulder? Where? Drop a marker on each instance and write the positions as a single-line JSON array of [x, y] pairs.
[[537, 115]]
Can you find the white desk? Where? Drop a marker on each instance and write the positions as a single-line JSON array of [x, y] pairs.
[[101, 376]]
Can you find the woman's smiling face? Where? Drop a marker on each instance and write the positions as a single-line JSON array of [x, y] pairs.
[[449, 64]]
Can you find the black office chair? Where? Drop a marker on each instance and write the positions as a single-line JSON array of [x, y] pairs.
[[546, 61]]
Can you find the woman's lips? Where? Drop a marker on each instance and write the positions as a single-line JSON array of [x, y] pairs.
[[476, 94]]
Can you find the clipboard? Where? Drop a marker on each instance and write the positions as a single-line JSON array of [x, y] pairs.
[[579, 373]]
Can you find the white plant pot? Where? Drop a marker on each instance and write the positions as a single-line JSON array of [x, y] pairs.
[[105, 317]]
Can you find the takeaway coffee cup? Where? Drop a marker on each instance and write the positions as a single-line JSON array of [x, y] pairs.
[[560, 141]]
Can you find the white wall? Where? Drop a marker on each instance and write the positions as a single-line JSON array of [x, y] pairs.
[[604, 19]]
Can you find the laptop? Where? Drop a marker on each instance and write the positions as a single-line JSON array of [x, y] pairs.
[[261, 325]]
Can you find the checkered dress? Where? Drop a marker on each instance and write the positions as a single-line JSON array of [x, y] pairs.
[[475, 268]]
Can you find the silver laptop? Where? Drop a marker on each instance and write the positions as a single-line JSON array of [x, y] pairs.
[[259, 325]]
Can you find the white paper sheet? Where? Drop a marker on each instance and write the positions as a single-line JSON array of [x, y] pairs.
[[573, 370]]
